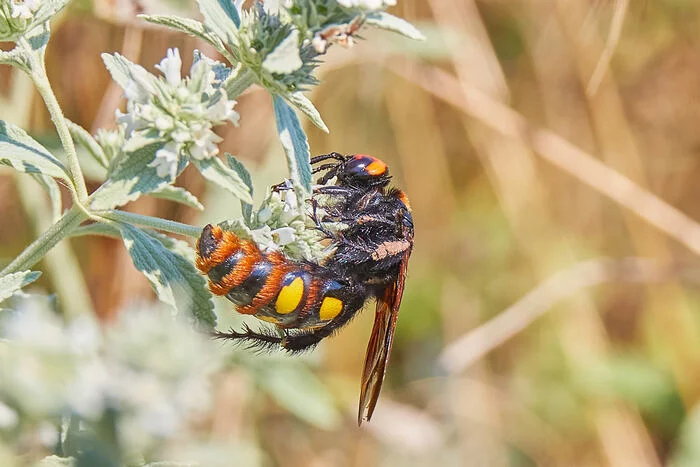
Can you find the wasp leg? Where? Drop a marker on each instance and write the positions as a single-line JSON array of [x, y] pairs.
[[324, 157], [263, 339], [306, 340], [324, 167], [334, 190]]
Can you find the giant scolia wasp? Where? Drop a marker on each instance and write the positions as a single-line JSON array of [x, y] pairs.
[[307, 301]]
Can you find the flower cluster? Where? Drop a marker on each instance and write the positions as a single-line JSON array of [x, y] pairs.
[[272, 48], [180, 112], [280, 224], [16, 16], [147, 375]]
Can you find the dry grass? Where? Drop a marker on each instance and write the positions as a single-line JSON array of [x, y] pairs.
[[534, 139]]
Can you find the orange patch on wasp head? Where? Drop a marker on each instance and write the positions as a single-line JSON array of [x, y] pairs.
[[375, 166]]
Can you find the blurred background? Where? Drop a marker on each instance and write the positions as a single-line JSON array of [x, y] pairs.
[[551, 153]]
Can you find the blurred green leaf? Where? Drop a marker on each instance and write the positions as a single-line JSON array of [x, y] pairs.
[[298, 390], [55, 461], [384, 20], [239, 168], [23, 153], [12, 283], [687, 450]]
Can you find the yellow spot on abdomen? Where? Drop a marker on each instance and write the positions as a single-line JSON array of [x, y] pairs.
[[330, 307], [290, 296], [269, 319]]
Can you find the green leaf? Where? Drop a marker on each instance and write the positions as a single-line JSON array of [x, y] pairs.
[[383, 20], [239, 168], [20, 151], [130, 178], [54, 192], [686, 453], [86, 140], [129, 75], [179, 195], [221, 17], [15, 58], [285, 57], [174, 279], [12, 283], [215, 171], [302, 103], [295, 144], [298, 390], [186, 25]]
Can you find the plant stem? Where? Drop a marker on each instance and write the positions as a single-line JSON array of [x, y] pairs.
[[41, 81], [39, 247], [152, 222], [241, 81]]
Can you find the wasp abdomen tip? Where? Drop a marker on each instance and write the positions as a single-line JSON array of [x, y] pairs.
[[207, 242]]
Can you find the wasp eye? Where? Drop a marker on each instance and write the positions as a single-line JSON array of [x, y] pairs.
[[363, 166]]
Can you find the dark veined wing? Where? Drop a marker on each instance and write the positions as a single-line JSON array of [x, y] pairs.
[[380, 342]]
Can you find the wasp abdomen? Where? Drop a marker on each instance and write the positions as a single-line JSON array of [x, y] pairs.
[[269, 285]]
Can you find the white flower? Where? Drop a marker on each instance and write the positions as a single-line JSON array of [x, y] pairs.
[[367, 4], [170, 66], [284, 235], [166, 161], [319, 43]]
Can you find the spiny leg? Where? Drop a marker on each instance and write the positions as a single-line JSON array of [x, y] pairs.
[[324, 157]]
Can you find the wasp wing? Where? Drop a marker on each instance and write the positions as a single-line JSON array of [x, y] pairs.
[[380, 342]]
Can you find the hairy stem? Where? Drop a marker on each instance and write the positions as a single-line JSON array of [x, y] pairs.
[[39, 247], [38, 74], [152, 222]]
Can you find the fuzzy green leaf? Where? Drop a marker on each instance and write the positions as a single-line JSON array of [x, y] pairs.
[[12, 283], [130, 178], [383, 20], [54, 192], [179, 195], [174, 279], [14, 57], [215, 171], [239, 168], [186, 25], [20, 151], [294, 142], [86, 140], [302, 103], [125, 73], [221, 17]]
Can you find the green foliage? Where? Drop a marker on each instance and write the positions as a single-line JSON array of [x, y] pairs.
[[12, 283], [295, 144], [174, 279], [119, 396]]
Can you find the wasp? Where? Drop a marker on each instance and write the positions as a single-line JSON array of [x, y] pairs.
[[307, 301]]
